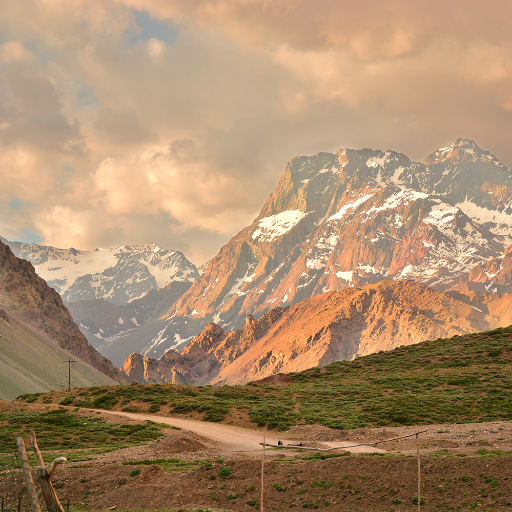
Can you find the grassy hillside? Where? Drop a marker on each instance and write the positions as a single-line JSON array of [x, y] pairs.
[[30, 363], [461, 379]]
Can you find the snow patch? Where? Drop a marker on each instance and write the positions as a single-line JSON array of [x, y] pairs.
[[483, 215], [270, 228], [350, 206], [441, 214], [376, 161], [347, 276]]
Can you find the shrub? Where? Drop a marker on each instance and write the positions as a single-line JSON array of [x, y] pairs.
[[184, 408], [105, 402], [135, 472], [130, 408], [225, 472], [214, 415]]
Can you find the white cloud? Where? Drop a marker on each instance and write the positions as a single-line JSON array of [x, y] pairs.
[[14, 51], [155, 47], [112, 132]]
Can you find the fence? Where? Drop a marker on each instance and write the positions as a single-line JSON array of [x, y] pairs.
[[13, 492], [17, 481]]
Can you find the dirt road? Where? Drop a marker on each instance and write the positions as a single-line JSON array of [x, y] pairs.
[[236, 440]]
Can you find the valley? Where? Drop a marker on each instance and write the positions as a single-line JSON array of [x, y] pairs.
[[456, 389], [335, 221]]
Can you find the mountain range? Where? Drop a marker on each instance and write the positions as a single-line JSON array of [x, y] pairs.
[[118, 275], [330, 327], [350, 219]]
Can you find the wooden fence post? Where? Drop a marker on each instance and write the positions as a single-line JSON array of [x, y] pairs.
[[263, 469], [29, 482], [52, 501], [419, 471]]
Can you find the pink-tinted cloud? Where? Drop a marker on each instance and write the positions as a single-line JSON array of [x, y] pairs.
[[114, 131]]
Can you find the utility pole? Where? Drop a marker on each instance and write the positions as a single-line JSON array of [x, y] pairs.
[[69, 361]]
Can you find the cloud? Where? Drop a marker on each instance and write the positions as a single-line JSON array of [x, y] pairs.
[[131, 121], [156, 48]]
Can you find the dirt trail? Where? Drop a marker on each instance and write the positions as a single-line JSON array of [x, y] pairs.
[[235, 440]]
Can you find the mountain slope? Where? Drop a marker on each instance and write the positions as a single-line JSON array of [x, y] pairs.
[[114, 329], [330, 327], [30, 363], [27, 299], [349, 219], [117, 275]]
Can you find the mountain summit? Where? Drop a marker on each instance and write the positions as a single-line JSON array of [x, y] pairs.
[[350, 219], [118, 275]]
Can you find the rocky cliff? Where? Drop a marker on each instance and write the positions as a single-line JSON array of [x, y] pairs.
[[349, 219], [317, 331], [27, 298]]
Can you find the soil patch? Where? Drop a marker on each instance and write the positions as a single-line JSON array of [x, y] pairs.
[[358, 483]]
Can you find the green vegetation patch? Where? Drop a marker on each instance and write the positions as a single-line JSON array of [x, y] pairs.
[[170, 465], [458, 380], [63, 430]]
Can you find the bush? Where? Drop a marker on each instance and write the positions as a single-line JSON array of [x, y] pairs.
[[184, 408], [105, 402], [225, 472], [135, 472], [130, 408], [214, 415]]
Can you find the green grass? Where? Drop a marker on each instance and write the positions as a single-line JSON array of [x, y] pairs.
[[457, 380], [170, 465], [63, 430]]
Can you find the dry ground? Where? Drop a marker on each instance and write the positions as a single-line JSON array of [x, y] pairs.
[[454, 475]]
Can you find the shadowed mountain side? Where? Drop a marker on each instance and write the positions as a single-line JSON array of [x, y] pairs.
[[329, 327], [30, 363], [30, 301], [108, 326]]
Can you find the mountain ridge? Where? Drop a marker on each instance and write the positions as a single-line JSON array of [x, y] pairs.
[[326, 328], [118, 275], [349, 219], [26, 298]]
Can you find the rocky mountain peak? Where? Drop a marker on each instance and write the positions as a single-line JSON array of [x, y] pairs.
[[348, 219], [462, 150], [345, 220]]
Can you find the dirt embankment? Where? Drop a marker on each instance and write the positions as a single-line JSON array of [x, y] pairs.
[[358, 483]]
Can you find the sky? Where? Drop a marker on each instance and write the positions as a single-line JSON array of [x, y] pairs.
[[170, 121]]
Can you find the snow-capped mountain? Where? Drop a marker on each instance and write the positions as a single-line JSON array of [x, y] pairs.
[[116, 275], [349, 219]]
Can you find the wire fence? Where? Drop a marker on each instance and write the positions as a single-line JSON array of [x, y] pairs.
[[13, 492], [15, 471]]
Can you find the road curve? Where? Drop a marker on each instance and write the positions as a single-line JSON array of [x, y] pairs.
[[231, 438]]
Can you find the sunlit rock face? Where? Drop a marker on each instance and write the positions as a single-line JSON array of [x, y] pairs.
[[330, 327], [349, 219]]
